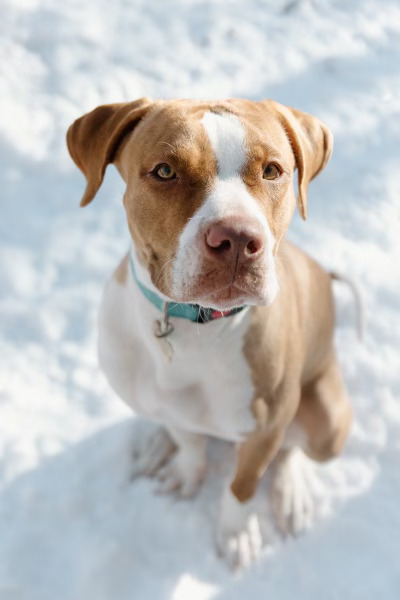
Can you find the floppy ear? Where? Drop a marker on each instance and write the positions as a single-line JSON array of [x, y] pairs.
[[312, 144], [93, 140]]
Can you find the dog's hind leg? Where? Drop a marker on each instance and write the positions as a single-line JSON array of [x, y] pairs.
[[325, 413]]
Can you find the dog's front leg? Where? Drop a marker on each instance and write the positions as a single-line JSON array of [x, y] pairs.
[[187, 468], [239, 536]]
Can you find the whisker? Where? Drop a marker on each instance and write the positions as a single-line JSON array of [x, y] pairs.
[[163, 267]]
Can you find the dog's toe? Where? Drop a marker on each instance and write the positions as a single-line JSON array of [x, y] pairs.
[[293, 493], [239, 537], [151, 453], [182, 475], [242, 547]]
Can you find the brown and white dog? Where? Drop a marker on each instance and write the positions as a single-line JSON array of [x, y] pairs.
[[209, 197]]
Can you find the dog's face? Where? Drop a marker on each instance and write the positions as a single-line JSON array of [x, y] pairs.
[[209, 189]]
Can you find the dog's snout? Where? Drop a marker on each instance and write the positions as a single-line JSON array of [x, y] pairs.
[[231, 239]]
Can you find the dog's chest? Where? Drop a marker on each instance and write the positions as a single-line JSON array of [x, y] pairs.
[[207, 385]]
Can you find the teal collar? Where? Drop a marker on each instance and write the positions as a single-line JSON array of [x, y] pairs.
[[191, 312]]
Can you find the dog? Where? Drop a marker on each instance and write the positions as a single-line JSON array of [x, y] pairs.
[[213, 324]]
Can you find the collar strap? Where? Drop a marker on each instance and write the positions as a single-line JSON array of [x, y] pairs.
[[191, 312]]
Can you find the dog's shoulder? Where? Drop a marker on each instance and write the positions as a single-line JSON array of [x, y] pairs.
[[120, 274]]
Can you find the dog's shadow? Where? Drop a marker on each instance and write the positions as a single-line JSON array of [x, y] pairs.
[[79, 521]]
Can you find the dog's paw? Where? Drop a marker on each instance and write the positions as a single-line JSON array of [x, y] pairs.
[[293, 493], [151, 452], [239, 537], [183, 475]]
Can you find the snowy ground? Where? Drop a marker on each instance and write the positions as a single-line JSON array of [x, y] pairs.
[[72, 526]]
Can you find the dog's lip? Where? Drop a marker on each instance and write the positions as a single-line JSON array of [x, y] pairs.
[[232, 287], [226, 297]]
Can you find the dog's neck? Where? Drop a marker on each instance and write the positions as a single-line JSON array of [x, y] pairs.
[[191, 312], [142, 276]]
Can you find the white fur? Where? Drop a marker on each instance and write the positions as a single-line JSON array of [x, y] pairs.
[[176, 458], [151, 452], [229, 197], [293, 491], [239, 537], [227, 137], [186, 471], [206, 389]]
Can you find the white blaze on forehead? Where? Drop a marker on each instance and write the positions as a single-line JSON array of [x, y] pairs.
[[227, 137], [229, 197]]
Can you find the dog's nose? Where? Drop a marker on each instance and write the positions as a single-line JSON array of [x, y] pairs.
[[234, 239]]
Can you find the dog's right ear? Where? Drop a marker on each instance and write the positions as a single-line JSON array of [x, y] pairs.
[[93, 140]]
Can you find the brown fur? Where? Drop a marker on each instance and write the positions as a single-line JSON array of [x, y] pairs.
[[289, 348], [137, 136], [289, 344], [121, 272]]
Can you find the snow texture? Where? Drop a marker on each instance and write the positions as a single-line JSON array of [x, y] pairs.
[[73, 526]]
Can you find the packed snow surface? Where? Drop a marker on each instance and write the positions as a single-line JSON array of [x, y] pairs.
[[72, 524]]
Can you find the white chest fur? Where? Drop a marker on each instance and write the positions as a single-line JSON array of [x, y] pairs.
[[207, 386]]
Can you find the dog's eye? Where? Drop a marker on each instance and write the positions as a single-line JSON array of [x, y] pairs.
[[272, 171], [164, 171]]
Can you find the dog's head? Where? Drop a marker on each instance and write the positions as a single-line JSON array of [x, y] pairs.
[[209, 188]]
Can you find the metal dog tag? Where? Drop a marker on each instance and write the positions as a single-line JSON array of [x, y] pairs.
[[161, 337], [162, 328]]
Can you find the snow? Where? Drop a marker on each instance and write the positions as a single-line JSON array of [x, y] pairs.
[[72, 524]]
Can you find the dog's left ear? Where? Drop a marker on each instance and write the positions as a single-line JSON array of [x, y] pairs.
[[312, 144]]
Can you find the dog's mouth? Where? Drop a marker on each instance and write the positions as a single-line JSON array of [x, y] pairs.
[[225, 298], [228, 287], [221, 293]]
